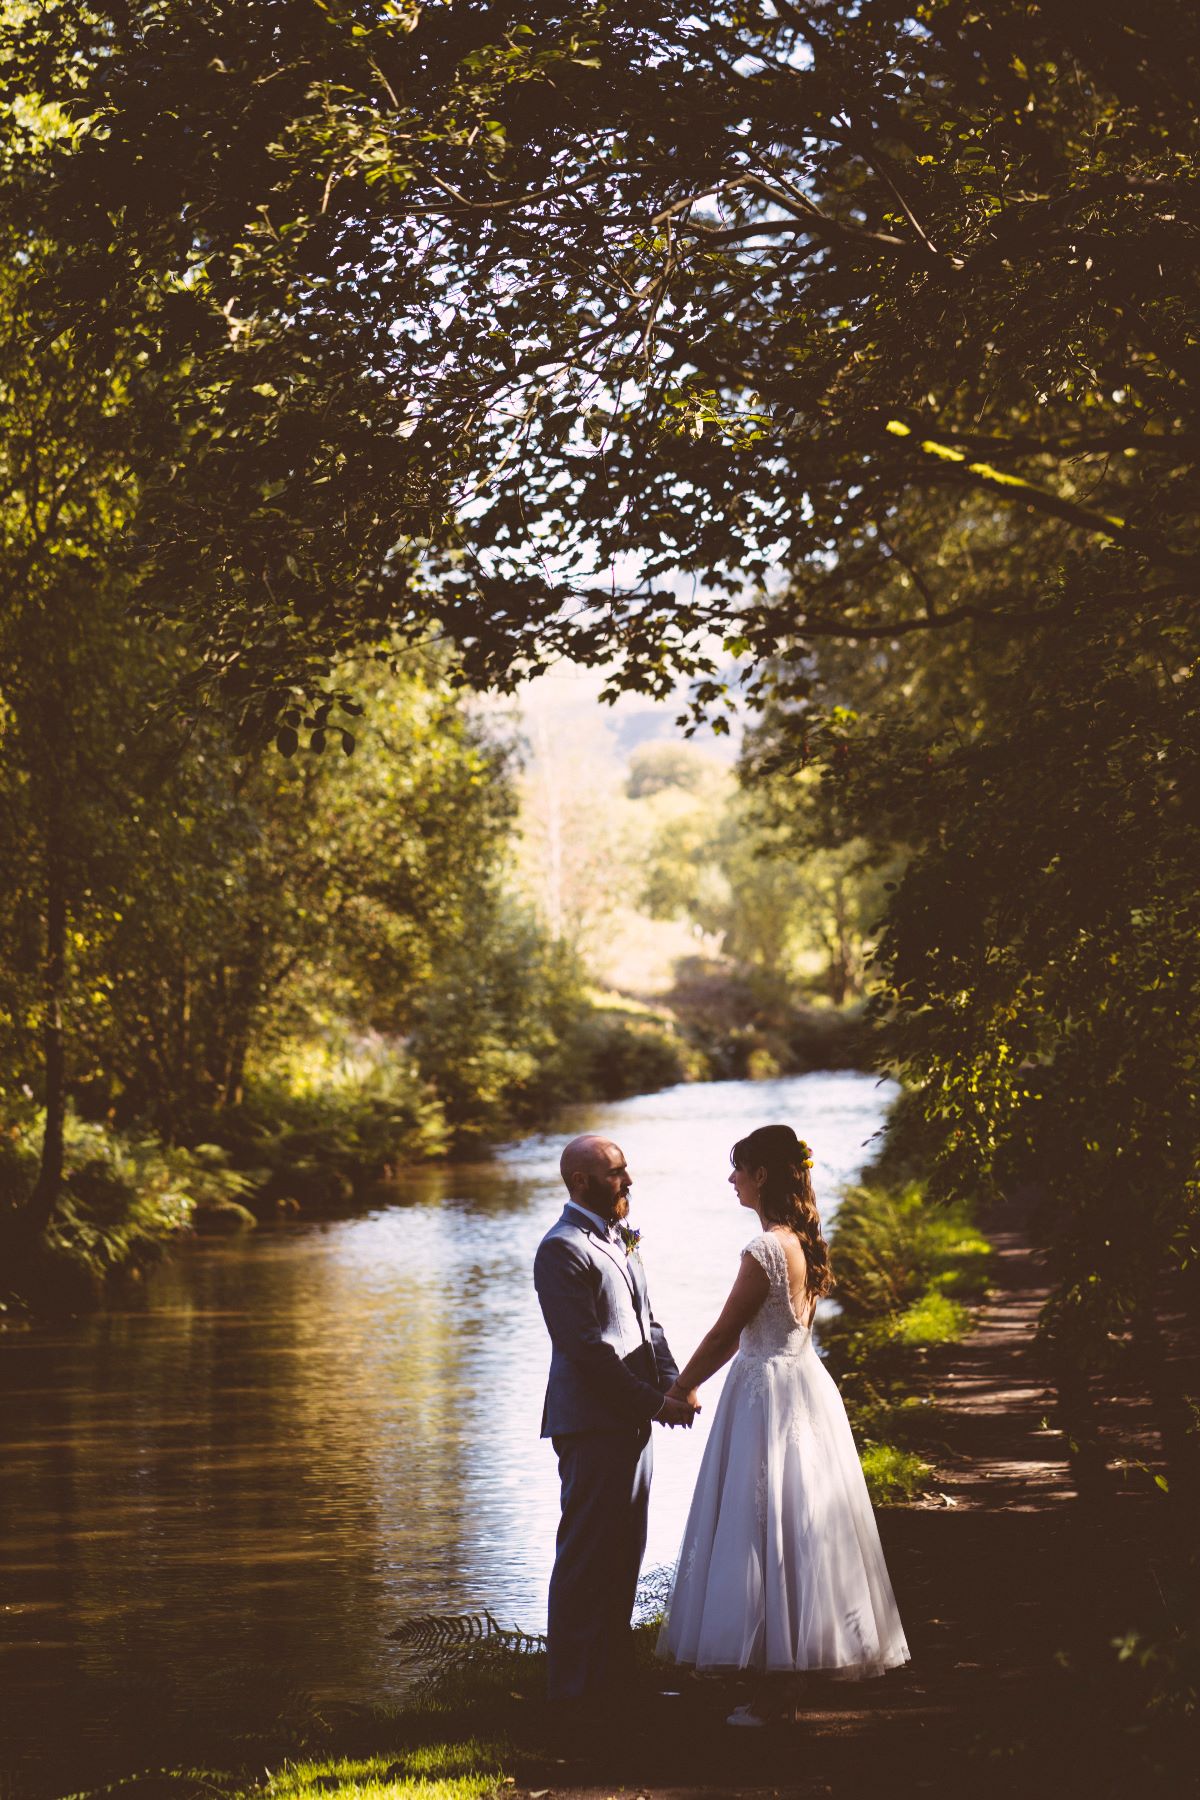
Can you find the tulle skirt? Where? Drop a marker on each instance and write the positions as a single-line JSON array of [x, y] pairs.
[[781, 1567]]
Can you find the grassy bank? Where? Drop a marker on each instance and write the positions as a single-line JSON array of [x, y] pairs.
[[465, 1770], [908, 1274], [474, 1723]]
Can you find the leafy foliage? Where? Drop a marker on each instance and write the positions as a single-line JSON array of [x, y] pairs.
[[331, 1123], [907, 1270], [456, 1654], [460, 287], [624, 1055], [894, 1476], [789, 915], [896, 1247], [124, 1197]]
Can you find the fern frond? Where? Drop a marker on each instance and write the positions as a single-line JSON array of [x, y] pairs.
[[442, 1631], [449, 1637]]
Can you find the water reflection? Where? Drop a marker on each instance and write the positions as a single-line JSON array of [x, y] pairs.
[[226, 1494]]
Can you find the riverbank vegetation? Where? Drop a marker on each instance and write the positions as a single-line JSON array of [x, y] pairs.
[[909, 1270], [285, 976], [265, 977]]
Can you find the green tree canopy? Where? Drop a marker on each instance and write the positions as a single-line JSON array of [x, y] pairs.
[[480, 306]]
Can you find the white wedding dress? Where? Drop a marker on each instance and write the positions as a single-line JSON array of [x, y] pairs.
[[781, 1567]]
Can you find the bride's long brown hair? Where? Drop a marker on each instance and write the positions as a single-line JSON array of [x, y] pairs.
[[787, 1194]]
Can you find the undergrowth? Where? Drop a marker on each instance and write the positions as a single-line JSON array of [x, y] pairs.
[[909, 1270], [124, 1198]]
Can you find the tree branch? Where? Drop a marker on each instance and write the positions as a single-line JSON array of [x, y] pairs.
[[955, 467], [806, 627], [816, 224]]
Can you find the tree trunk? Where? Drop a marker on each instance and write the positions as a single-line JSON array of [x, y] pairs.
[[247, 994], [839, 961], [235, 1077], [39, 1209]]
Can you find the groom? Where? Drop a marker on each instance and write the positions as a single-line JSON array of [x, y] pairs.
[[610, 1367]]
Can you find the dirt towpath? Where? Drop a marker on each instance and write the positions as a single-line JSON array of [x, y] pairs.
[[1012, 1590]]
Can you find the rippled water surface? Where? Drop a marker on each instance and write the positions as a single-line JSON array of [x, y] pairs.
[[217, 1500]]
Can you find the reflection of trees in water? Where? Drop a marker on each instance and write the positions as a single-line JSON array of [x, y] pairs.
[[215, 1496]]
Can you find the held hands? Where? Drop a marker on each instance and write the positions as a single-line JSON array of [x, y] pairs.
[[679, 1407]]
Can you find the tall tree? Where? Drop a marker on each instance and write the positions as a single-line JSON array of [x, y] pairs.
[[65, 692]]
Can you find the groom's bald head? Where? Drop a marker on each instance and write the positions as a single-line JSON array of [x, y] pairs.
[[595, 1174], [582, 1155]]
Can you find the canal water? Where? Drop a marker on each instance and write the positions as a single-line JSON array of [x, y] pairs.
[[217, 1498]]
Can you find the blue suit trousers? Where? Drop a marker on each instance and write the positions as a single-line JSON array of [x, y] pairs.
[[601, 1541]]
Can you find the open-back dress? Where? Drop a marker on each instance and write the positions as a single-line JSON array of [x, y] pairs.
[[781, 1567]]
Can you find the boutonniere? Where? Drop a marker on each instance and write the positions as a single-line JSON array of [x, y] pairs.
[[630, 1237]]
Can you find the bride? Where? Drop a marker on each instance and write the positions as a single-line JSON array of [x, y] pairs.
[[781, 1568]]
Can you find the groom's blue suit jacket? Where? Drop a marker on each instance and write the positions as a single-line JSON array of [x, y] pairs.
[[610, 1363]]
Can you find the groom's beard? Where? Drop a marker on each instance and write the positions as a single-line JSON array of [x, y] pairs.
[[605, 1207]]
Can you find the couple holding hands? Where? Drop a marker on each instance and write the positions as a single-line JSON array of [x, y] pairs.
[[781, 1569]]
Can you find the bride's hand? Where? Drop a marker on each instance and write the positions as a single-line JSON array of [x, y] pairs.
[[675, 1392]]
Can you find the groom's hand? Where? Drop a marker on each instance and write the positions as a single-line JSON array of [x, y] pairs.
[[677, 1412]]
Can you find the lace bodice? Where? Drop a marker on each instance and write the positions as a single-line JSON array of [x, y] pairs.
[[774, 1330]]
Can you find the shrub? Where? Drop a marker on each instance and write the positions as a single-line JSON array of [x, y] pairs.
[[761, 1065], [894, 1245], [894, 1475], [123, 1196], [618, 1055], [932, 1320], [317, 1125]]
